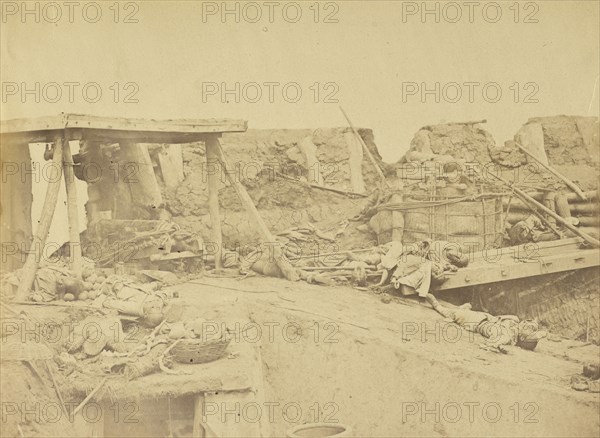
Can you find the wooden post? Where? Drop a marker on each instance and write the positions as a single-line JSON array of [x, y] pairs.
[[213, 170], [528, 199], [72, 213], [39, 240], [283, 263], [198, 430], [364, 145], [554, 172]]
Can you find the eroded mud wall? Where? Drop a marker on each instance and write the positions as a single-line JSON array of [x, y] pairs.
[[266, 161], [461, 141]]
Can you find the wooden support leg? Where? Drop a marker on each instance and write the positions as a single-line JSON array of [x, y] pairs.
[[198, 430], [275, 251], [213, 170], [32, 263], [72, 213]]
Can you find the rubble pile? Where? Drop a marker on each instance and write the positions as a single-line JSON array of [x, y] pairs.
[[570, 144]]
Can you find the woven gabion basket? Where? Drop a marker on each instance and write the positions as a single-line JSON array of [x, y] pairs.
[[199, 351]]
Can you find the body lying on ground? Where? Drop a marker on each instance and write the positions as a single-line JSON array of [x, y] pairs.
[[500, 331]]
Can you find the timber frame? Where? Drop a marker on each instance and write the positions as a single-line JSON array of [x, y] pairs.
[[65, 127], [84, 127]]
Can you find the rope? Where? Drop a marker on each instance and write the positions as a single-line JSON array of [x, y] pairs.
[[413, 205]]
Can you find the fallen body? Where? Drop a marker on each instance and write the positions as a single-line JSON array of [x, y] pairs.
[[420, 268], [500, 331]]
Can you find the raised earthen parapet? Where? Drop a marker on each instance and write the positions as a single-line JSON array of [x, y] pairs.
[[569, 144], [280, 169], [460, 141]]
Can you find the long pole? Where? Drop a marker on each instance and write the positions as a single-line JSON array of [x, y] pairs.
[[554, 172], [526, 198], [283, 263], [39, 240], [366, 149], [72, 213], [212, 159]]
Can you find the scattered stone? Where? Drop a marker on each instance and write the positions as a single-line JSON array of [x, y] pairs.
[[592, 371], [579, 383]]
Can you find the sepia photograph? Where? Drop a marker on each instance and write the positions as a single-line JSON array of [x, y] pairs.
[[300, 219]]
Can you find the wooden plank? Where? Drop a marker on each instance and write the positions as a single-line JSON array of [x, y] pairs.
[[76, 261], [27, 137], [198, 430], [368, 152], [554, 172], [213, 169], [282, 262], [39, 240], [491, 272], [471, 122], [46, 123], [152, 125], [115, 136], [82, 121], [528, 199], [525, 250], [233, 414]]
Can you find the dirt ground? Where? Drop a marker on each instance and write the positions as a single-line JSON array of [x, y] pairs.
[[345, 356], [357, 361]]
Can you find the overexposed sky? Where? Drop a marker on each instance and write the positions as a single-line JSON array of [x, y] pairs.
[[367, 55]]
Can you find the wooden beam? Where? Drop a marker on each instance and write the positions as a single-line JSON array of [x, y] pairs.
[[471, 122], [528, 199], [74, 121], [115, 129], [282, 262], [492, 271], [198, 430], [329, 189], [213, 170], [114, 136], [39, 240], [554, 172], [72, 210], [367, 151]]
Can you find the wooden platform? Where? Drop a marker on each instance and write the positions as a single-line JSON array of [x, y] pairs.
[[522, 261], [219, 389], [44, 129]]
